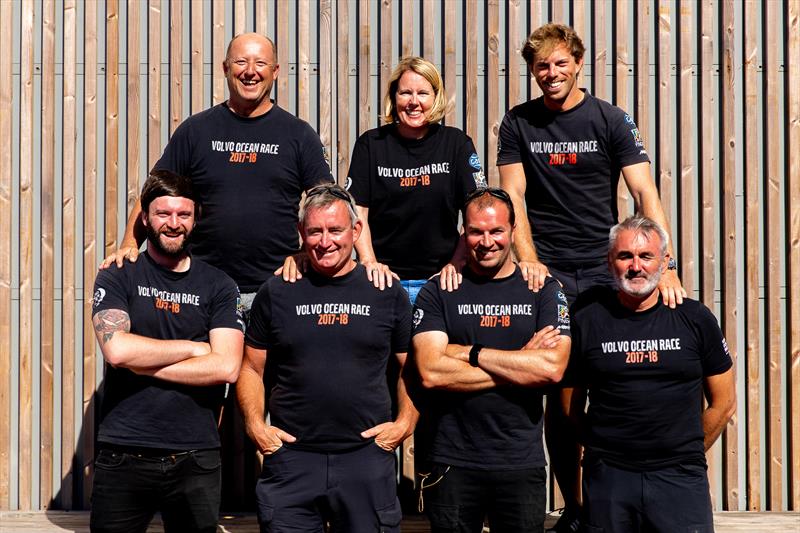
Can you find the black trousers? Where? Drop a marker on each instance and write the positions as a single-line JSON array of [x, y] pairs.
[[674, 499], [356, 492], [457, 500], [129, 488]]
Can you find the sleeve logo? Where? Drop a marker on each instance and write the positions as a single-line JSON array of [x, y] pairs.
[[561, 297], [417, 319], [563, 314], [475, 161], [99, 294], [347, 183]]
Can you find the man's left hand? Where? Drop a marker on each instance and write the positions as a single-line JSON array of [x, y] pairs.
[[389, 435], [672, 292]]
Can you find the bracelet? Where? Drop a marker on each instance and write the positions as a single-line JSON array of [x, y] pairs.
[[473, 354]]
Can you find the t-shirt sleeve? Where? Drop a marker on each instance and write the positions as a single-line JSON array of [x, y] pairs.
[[257, 334], [508, 149], [401, 334], [109, 290], [358, 175], [552, 308], [428, 311], [573, 376], [469, 171], [314, 169], [626, 140], [715, 357], [226, 311]]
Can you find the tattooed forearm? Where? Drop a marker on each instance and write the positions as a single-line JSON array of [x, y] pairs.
[[110, 321]]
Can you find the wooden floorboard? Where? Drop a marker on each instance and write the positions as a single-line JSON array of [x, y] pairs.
[[78, 522]]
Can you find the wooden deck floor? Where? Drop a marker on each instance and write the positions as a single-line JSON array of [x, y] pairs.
[[78, 522]]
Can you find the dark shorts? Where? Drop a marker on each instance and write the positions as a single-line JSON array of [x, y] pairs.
[[457, 500], [674, 499], [130, 487], [575, 281], [356, 492]]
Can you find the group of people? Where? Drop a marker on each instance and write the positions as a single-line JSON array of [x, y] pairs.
[[260, 271]]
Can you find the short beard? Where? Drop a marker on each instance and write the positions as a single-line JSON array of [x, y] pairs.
[[649, 287], [153, 239]]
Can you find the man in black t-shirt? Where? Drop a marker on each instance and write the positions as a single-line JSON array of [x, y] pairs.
[[560, 158], [171, 333], [646, 368], [325, 341], [249, 162], [484, 350]]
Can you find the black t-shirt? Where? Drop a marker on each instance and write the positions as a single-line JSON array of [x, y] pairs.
[[414, 190], [162, 304], [249, 174], [499, 428], [644, 374], [572, 162], [328, 343]]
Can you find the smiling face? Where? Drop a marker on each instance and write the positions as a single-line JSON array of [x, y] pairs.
[[489, 235], [636, 262], [251, 69], [328, 236], [169, 222], [557, 77], [413, 99]]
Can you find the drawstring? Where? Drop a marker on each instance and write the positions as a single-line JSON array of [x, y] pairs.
[[423, 486]]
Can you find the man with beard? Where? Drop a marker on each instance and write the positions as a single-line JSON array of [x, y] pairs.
[[171, 333], [486, 350], [646, 368], [326, 341]]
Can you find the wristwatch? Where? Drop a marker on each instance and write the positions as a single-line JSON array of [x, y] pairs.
[[473, 354], [672, 264]]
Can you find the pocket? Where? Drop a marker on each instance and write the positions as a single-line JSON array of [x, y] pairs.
[[110, 460], [390, 517], [276, 453], [443, 516], [265, 515], [207, 460]]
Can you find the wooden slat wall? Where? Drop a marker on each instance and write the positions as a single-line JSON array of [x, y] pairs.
[[726, 113]]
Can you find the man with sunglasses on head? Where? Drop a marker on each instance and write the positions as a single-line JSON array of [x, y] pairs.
[[484, 351], [325, 341]]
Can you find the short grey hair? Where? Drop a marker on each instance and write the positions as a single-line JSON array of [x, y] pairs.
[[639, 224], [323, 196]]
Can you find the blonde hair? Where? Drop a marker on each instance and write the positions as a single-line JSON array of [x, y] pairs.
[[546, 38], [427, 70]]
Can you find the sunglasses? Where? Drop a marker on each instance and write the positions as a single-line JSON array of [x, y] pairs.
[[333, 190], [495, 192]]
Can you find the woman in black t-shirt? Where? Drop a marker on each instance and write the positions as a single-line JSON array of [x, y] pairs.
[[410, 178]]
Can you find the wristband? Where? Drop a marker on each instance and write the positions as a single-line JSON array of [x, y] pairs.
[[473, 354]]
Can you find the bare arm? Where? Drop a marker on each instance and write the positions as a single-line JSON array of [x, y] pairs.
[[378, 273], [134, 237], [646, 201], [124, 349], [440, 371], [720, 391], [250, 394], [512, 180], [221, 365], [390, 435]]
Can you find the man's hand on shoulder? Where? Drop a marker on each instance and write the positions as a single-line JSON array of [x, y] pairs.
[[672, 292], [450, 277], [535, 273], [131, 253], [379, 274], [293, 267]]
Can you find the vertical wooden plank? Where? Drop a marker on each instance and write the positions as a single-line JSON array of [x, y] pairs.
[[513, 47], [534, 21], [386, 57], [429, 36], [492, 90], [239, 16], [343, 84], [621, 75], [364, 71], [449, 25], [47, 310], [175, 65], [112, 125], [599, 69], [686, 137], [283, 53], [642, 74], [262, 16], [793, 236], [729, 302], [6, 106], [774, 253], [665, 108], [558, 12], [579, 20], [303, 67], [471, 70], [752, 236], [218, 45], [27, 116], [325, 75], [707, 152], [89, 238], [153, 83], [197, 86], [68, 223], [133, 96], [407, 28]]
